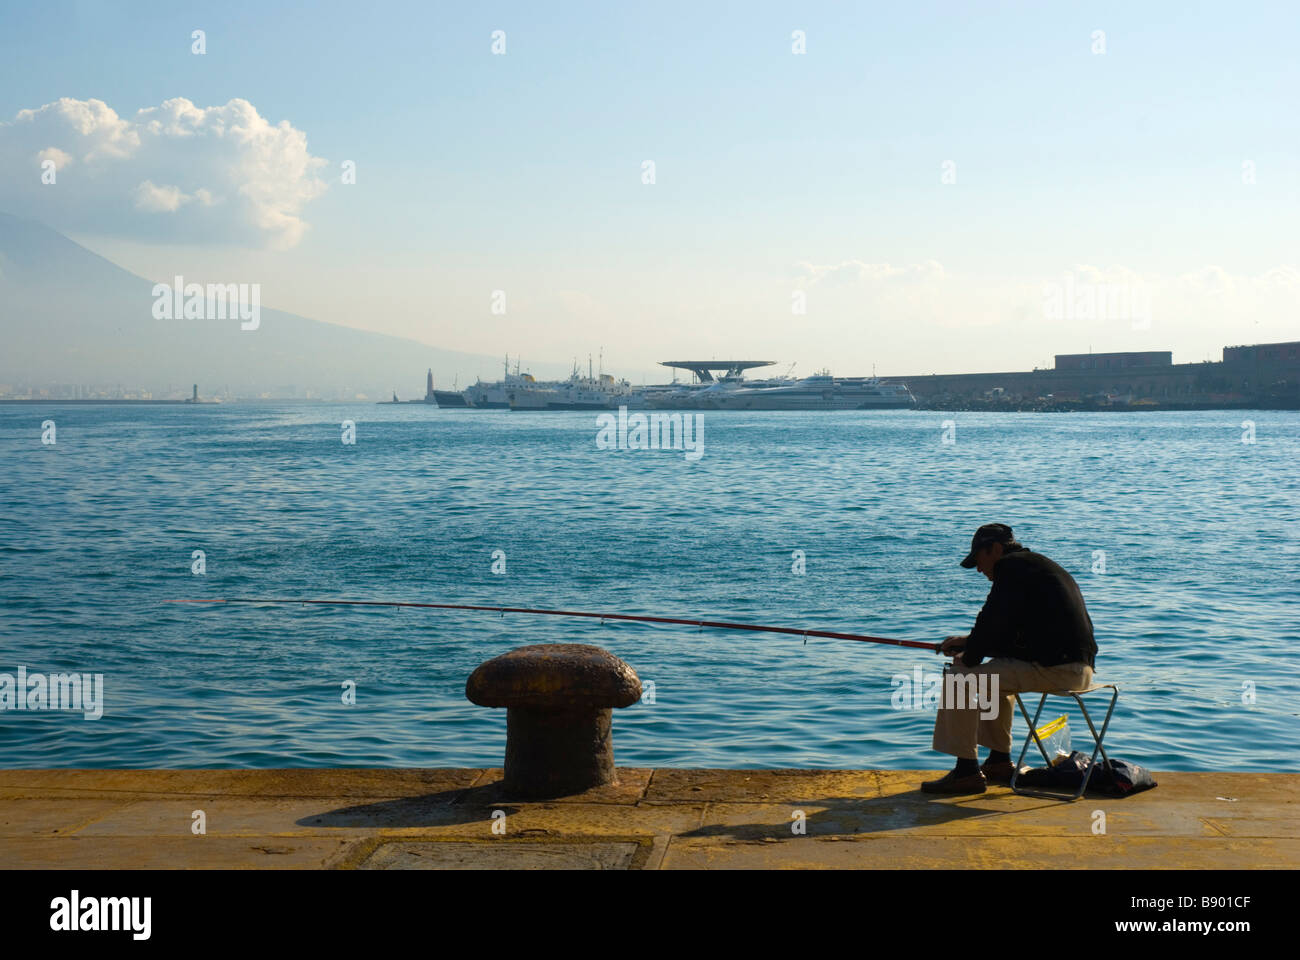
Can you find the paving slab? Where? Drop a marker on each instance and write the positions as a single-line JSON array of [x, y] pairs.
[[992, 853], [649, 819], [270, 816], [630, 787], [172, 853], [454, 855], [53, 816], [757, 786], [308, 782]]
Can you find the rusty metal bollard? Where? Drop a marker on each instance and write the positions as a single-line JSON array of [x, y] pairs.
[[558, 699]]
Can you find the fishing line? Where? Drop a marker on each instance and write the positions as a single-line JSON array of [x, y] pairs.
[[700, 624]]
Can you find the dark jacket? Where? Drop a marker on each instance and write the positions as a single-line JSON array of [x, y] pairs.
[[1034, 612]]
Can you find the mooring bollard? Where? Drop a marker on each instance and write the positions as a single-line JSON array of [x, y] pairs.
[[558, 699]]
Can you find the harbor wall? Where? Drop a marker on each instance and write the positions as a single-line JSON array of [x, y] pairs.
[[1267, 374]]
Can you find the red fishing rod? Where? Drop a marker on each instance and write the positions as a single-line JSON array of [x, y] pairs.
[[828, 634]]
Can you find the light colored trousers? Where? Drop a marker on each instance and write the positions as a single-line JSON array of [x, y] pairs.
[[958, 727]]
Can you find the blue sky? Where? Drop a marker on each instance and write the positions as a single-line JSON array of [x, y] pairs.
[[523, 172]]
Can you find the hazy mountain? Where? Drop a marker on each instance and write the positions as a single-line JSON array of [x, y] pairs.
[[67, 315]]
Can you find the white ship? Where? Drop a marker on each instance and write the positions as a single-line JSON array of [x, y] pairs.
[[718, 385], [819, 392], [592, 392], [496, 396], [712, 378]]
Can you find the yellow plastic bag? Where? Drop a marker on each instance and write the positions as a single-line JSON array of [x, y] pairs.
[[1055, 738]]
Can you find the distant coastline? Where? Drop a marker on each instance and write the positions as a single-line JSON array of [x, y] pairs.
[[961, 406], [1068, 406], [115, 403]]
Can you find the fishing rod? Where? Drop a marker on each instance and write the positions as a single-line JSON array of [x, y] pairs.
[[721, 625]]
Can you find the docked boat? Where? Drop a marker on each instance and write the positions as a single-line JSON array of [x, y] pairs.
[[720, 385], [717, 385], [592, 392], [710, 378], [496, 396], [443, 398], [819, 392], [449, 398], [704, 396]]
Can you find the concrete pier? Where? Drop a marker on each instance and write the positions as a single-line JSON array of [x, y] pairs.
[[650, 819]]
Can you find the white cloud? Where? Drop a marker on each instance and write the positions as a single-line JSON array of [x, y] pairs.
[[225, 172], [152, 198], [929, 318], [853, 271], [91, 127], [155, 199], [54, 154]]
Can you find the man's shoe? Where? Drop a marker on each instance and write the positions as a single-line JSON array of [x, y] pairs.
[[970, 783], [999, 771]]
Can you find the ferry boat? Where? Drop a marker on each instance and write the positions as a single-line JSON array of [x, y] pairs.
[[449, 398], [443, 398], [819, 392], [496, 396], [592, 392]]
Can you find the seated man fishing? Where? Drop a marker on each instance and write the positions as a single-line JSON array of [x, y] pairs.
[[1037, 633]]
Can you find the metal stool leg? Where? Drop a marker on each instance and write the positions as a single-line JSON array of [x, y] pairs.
[[1033, 734], [1097, 738]]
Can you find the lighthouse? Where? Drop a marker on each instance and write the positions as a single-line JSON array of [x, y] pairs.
[[428, 389]]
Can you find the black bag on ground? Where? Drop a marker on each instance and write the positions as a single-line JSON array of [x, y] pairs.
[[1118, 778]]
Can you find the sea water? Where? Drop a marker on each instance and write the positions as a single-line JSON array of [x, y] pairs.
[[1182, 530]]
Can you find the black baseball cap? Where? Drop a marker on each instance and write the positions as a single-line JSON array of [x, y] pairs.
[[989, 533]]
